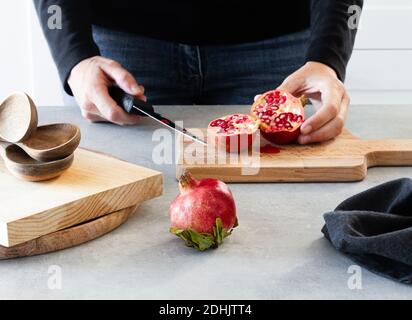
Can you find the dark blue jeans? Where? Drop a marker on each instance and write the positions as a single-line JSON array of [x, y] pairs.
[[174, 73]]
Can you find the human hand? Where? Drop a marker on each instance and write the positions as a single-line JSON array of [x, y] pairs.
[[320, 84], [89, 81]]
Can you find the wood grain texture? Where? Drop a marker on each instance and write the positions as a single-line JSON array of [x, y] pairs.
[[69, 237], [95, 185], [52, 142], [26, 168], [345, 158], [18, 117]]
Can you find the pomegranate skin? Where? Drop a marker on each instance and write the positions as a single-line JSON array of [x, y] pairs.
[[281, 137], [233, 144], [201, 203]]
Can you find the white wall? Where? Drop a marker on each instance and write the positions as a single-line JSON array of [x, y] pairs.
[[14, 47], [379, 72], [47, 89], [381, 65], [26, 64]]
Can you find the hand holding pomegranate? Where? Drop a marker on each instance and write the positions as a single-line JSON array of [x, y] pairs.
[[89, 81], [321, 85]]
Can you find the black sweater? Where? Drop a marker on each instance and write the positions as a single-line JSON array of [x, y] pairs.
[[201, 22]]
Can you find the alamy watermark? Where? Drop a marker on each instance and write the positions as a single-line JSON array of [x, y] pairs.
[[354, 19], [55, 21], [54, 281], [244, 151], [355, 280]]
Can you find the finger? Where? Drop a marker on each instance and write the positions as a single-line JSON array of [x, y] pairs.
[[345, 106], [332, 129], [109, 109], [328, 131], [292, 84], [91, 113], [331, 103], [123, 78], [93, 117]]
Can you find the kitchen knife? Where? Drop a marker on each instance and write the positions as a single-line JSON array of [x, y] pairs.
[[139, 107]]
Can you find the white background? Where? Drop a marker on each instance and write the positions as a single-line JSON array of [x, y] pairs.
[[379, 72]]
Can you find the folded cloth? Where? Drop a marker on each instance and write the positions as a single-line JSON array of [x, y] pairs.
[[374, 228]]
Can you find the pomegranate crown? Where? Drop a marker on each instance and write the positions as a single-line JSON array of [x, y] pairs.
[[186, 181]]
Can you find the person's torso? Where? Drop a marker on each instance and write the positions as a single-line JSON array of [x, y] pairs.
[[204, 22]]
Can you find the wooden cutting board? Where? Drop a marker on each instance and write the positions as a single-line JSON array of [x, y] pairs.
[[94, 186], [345, 158], [68, 238]]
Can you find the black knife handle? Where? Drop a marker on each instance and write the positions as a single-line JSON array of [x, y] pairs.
[[127, 101]]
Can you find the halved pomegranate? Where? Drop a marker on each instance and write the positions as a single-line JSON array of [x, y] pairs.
[[235, 132], [280, 115]]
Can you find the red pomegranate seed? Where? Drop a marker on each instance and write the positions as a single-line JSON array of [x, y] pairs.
[[279, 111]]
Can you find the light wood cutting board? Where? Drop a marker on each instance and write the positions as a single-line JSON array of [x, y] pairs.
[[345, 158], [94, 186]]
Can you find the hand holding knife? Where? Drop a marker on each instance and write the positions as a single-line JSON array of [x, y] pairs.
[[139, 107]]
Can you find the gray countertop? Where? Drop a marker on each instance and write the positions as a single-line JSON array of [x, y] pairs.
[[277, 252]]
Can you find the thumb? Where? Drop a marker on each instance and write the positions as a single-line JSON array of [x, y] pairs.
[[123, 78], [292, 84]]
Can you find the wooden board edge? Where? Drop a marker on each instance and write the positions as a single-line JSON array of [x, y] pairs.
[[281, 175], [92, 207], [64, 239]]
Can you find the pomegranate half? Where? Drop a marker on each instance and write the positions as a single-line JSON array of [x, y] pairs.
[[234, 133], [280, 115], [204, 213]]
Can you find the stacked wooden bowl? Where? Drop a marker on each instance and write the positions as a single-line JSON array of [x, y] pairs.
[[30, 152], [58, 195]]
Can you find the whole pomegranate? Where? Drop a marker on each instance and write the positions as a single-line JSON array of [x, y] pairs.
[[204, 213], [234, 133], [280, 115]]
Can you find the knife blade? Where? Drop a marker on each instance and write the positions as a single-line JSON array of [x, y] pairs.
[[139, 107]]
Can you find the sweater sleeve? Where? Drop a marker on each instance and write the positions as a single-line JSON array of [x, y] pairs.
[[331, 41], [73, 42]]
